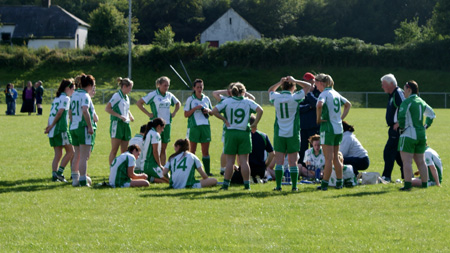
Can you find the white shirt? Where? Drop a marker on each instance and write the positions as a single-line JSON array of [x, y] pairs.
[[351, 147]]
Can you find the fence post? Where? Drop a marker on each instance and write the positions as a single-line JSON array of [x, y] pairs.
[[103, 96], [367, 99]]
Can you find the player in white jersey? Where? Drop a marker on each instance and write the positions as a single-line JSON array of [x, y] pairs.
[[435, 169], [138, 139], [237, 110], [220, 95], [119, 109], [287, 126], [330, 118], [182, 165], [82, 129], [160, 101], [58, 131], [313, 159], [197, 109], [122, 170], [151, 152]]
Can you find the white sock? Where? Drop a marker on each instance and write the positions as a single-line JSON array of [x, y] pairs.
[[75, 179]]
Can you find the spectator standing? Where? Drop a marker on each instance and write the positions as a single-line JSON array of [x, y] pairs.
[[308, 124], [390, 153], [9, 99], [14, 91], [39, 95], [28, 99]]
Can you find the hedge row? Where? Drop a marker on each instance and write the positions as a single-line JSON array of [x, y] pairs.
[[253, 53]]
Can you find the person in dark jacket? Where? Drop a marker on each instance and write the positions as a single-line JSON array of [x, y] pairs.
[[28, 98], [390, 153], [308, 125], [39, 95], [9, 99]]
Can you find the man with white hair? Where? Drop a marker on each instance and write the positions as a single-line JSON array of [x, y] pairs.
[[396, 97]]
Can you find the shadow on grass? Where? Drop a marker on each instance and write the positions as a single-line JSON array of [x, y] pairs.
[[359, 194], [215, 193], [30, 185]]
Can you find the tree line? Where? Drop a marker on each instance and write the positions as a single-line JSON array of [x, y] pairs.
[[373, 21]]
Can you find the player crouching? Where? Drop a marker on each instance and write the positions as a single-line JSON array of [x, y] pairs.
[[122, 170]]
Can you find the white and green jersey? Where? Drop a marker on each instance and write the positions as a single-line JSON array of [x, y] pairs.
[[197, 118], [151, 138], [318, 161], [160, 105], [61, 102], [138, 140], [80, 99], [410, 117], [432, 158], [287, 120], [92, 112], [331, 111], [120, 103], [118, 172], [182, 169], [237, 111]]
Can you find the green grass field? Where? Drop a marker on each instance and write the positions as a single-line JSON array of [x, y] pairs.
[[39, 215]]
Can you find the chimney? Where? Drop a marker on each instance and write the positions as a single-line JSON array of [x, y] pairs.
[[46, 3]]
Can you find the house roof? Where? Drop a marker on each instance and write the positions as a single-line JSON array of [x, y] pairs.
[[40, 22], [233, 11]]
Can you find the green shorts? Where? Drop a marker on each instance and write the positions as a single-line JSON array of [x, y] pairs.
[[60, 139], [120, 130], [286, 145], [155, 172], [412, 146], [80, 136], [331, 139], [165, 135], [200, 134], [237, 142]]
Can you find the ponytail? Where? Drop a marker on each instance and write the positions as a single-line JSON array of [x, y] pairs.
[[153, 124], [87, 80], [64, 84], [183, 145], [124, 82]]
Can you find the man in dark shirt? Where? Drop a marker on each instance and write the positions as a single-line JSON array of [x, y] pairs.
[[391, 153], [39, 95], [308, 125]]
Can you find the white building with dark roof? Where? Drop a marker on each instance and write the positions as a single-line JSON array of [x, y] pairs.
[[39, 26], [229, 27]]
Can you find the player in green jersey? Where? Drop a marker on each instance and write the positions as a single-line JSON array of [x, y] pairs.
[[412, 143]]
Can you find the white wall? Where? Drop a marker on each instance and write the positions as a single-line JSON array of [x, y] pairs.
[[82, 33], [50, 43], [223, 31]]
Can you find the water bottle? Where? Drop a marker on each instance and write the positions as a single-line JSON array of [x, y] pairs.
[[318, 172], [287, 176]]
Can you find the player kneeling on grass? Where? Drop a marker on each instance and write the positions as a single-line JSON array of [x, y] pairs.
[[435, 168], [57, 130], [151, 162], [182, 165], [122, 170]]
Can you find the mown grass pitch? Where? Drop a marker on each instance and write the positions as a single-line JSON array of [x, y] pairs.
[[39, 215]]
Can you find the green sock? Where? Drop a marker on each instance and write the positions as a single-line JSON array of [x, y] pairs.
[[206, 162], [226, 183], [424, 185], [278, 175], [294, 176], [54, 173], [324, 184], [247, 185], [339, 182], [60, 171], [408, 185]]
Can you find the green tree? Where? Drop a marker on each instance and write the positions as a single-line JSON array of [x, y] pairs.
[[164, 37], [408, 32], [109, 27], [441, 17]]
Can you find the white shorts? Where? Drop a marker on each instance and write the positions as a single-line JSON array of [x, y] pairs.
[[197, 185], [187, 133]]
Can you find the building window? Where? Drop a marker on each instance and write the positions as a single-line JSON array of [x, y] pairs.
[[78, 41], [64, 44], [6, 36], [213, 43], [230, 21]]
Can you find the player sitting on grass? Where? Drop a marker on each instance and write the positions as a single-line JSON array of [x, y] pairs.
[[122, 170], [182, 165], [435, 168]]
